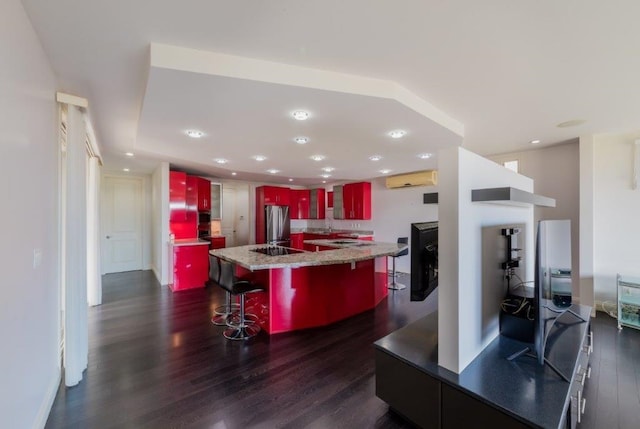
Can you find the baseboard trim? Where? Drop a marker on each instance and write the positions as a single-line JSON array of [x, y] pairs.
[[49, 398]]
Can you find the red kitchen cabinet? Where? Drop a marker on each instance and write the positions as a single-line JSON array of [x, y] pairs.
[[316, 204], [217, 242], [275, 195], [177, 196], [297, 240], [190, 267], [204, 195], [357, 200], [330, 199], [192, 194], [299, 203]]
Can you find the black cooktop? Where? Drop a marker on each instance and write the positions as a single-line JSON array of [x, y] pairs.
[[276, 250]]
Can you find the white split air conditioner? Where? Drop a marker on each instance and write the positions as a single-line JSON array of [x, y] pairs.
[[419, 178]]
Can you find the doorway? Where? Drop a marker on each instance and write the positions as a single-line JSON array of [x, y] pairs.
[[122, 210]]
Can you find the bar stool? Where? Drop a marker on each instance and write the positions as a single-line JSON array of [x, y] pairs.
[[394, 284], [222, 312], [240, 328]]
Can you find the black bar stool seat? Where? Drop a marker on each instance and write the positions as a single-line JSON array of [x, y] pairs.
[[239, 328]]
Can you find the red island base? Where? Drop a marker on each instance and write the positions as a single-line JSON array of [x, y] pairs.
[[307, 297]]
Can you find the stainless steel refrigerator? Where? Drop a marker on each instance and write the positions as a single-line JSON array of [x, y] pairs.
[[277, 222]]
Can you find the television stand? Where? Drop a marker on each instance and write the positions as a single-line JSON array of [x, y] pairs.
[[491, 391]]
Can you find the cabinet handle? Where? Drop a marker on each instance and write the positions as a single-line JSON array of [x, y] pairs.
[[590, 342], [579, 405], [589, 372], [584, 405]]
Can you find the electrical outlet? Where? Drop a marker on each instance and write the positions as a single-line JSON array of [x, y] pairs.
[[37, 257]]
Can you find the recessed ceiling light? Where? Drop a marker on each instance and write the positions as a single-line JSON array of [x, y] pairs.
[[259, 157], [396, 134], [425, 155], [233, 173], [385, 171], [571, 123], [326, 176], [290, 180], [221, 160], [300, 115], [273, 171], [375, 158], [125, 169], [130, 154], [328, 169], [324, 181], [318, 157], [301, 140], [194, 134], [534, 141]]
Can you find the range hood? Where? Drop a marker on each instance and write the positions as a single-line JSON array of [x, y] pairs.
[[510, 196]]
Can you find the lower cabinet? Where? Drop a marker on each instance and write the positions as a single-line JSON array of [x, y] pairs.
[[190, 267], [217, 242], [297, 240]]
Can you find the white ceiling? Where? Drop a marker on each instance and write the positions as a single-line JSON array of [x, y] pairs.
[[509, 71]]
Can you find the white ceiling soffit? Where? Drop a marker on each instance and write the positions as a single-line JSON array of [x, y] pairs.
[[193, 60], [244, 108]]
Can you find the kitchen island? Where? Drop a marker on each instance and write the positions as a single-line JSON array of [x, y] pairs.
[[309, 289]]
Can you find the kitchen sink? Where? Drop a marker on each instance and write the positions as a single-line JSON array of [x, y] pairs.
[[344, 242]]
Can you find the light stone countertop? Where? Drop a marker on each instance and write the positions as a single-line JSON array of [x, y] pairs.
[[344, 253]]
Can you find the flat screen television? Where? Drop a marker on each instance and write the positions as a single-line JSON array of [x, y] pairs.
[[424, 259], [546, 311]]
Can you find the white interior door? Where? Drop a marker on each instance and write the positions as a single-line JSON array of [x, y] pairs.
[[122, 224], [228, 224]]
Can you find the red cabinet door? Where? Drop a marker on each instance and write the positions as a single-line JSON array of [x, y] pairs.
[[190, 267], [330, 199], [177, 196], [192, 194], [275, 195], [299, 204], [357, 200], [297, 240], [217, 242], [204, 195]]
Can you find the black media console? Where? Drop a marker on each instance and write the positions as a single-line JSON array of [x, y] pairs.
[[491, 391]]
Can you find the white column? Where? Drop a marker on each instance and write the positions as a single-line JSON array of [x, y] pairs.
[[587, 147]]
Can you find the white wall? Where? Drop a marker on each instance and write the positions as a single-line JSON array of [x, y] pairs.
[[616, 209], [160, 223], [464, 329], [29, 319], [556, 174]]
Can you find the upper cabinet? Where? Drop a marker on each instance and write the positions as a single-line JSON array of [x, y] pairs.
[[177, 196], [352, 201], [204, 195], [317, 204], [274, 195], [192, 193], [216, 200], [299, 203], [307, 203]]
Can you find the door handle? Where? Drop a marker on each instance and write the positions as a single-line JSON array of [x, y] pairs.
[[108, 237]]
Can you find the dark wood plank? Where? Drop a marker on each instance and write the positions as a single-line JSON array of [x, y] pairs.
[[155, 360]]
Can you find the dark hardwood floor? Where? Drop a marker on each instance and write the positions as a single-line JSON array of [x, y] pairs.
[[156, 361]]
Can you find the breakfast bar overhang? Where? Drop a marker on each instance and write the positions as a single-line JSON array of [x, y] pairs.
[[309, 289]]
